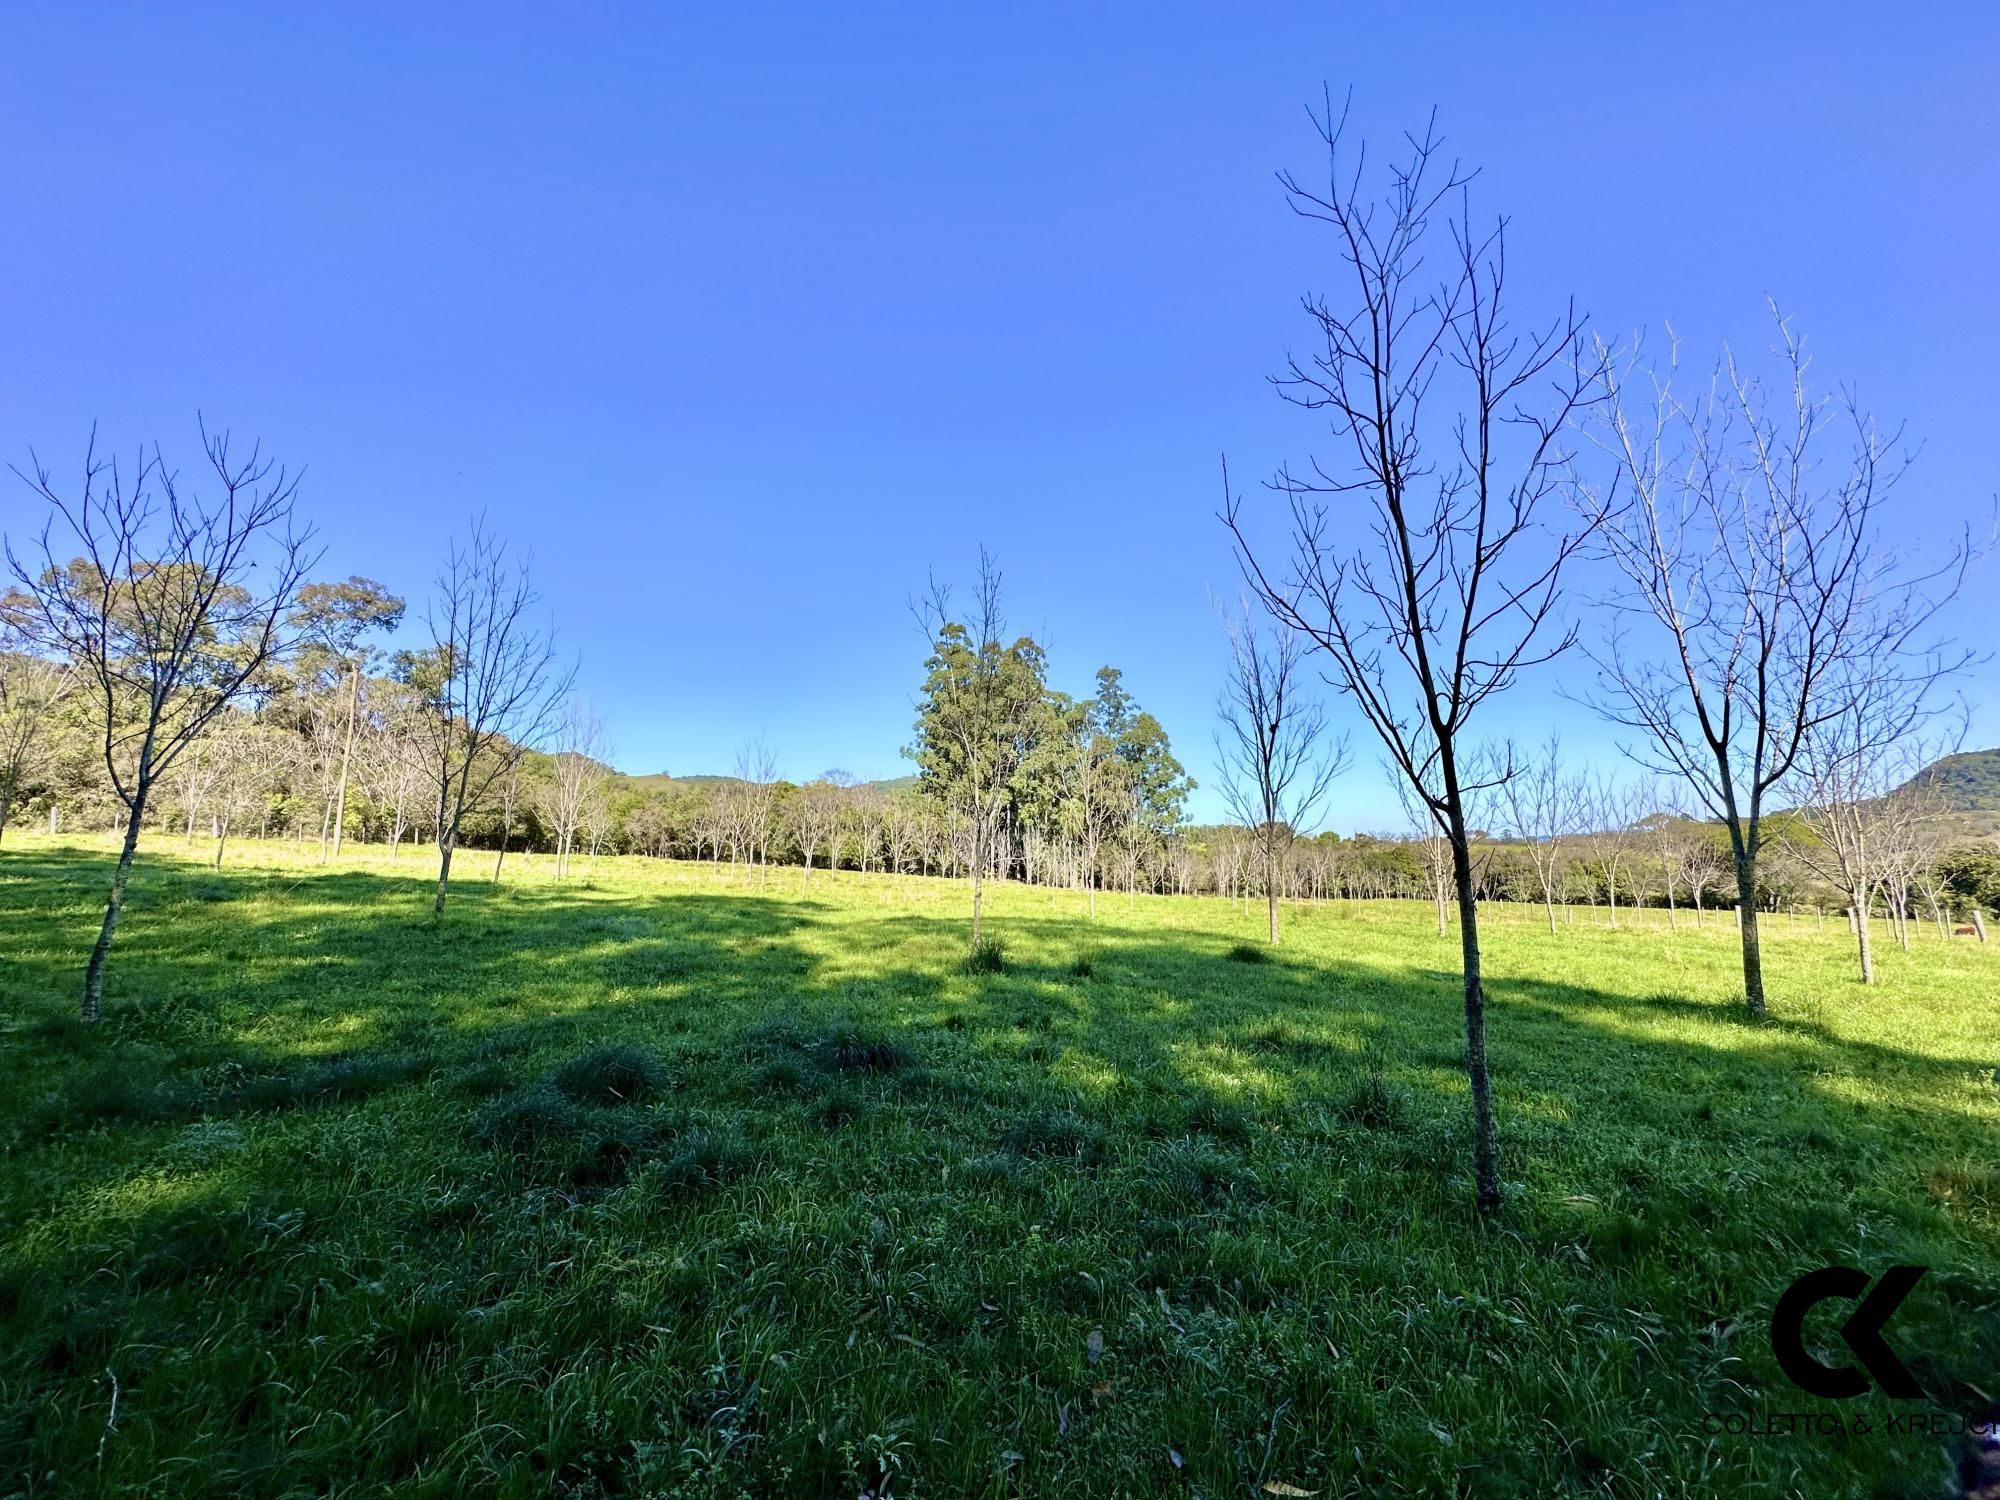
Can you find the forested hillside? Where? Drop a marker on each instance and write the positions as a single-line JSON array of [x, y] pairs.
[[1971, 781]]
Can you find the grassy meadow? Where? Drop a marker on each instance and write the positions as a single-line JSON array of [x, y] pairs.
[[659, 1182]]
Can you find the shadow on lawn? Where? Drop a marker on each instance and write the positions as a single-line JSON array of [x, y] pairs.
[[1103, 1051], [233, 991]]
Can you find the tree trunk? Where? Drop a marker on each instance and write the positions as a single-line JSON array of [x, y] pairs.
[[1485, 1138], [444, 875], [346, 756], [1271, 891], [7, 802], [978, 895], [1863, 940], [1746, 916], [93, 974]]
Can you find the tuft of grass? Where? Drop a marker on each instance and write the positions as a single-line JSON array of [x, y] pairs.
[[848, 1049], [838, 1108], [782, 1075], [1969, 1188], [520, 1122], [619, 1074], [1373, 1102], [702, 1158], [990, 957], [1083, 966], [333, 1080], [1056, 1133], [1248, 953]]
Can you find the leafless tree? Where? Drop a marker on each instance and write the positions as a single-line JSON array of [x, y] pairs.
[[1543, 805], [1616, 811], [816, 815], [509, 792], [1744, 520], [1867, 815], [1454, 421], [248, 763], [756, 800], [167, 607], [491, 683], [576, 772], [1276, 752]]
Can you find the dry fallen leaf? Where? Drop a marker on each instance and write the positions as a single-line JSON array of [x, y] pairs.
[[1174, 1457], [1279, 1487], [1094, 1345]]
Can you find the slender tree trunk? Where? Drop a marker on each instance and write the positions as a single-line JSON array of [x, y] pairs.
[[221, 837], [1863, 939], [6, 803], [1746, 913], [1271, 891], [978, 863], [93, 974], [1485, 1137], [346, 757], [444, 875]]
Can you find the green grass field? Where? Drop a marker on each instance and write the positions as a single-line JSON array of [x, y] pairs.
[[658, 1183]]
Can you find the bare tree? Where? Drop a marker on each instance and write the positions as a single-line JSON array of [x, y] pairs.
[[490, 682], [1617, 810], [248, 764], [1744, 521], [1544, 808], [576, 772], [1450, 591], [816, 815], [1867, 815], [1274, 749], [157, 611], [756, 801]]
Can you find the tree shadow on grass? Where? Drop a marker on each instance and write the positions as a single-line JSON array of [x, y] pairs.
[[360, 1158]]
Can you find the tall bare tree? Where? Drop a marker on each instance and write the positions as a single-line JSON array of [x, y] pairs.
[[577, 771], [1868, 816], [816, 815], [1444, 587], [1275, 749], [1543, 804], [1744, 519], [491, 682], [167, 604], [1617, 811]]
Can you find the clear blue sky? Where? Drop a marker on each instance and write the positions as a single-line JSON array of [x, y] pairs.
[[742, 318]]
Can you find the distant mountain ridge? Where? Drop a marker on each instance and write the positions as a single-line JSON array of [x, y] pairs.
[[1971, 780]]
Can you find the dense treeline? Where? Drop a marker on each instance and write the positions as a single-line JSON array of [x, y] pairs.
[[1098, 805]]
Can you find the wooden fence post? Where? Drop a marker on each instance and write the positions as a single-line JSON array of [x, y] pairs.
[[1979, 924]]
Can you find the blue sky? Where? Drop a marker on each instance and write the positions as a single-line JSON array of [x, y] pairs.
[[743, 318]]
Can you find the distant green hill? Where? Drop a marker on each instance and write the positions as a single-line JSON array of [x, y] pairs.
[[1971, 781]]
